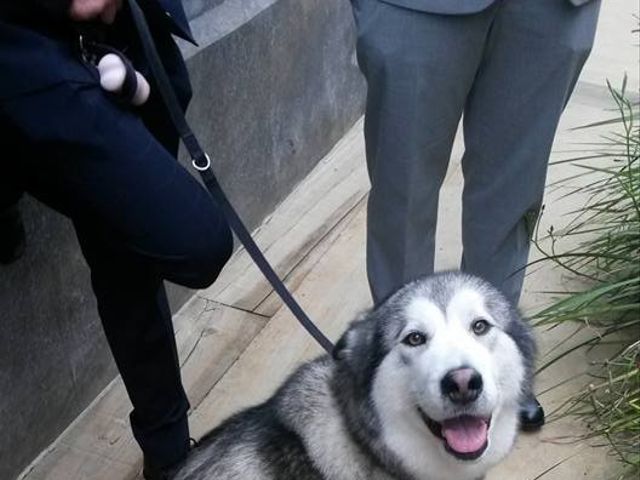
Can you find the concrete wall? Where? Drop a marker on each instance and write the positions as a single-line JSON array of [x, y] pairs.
[[275, 87]]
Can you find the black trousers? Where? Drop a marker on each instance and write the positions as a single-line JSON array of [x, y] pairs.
[[140, 217]]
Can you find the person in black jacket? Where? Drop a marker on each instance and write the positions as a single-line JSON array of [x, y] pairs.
[[140, 217]]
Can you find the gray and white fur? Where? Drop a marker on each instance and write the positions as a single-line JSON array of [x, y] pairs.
[[385, 407]]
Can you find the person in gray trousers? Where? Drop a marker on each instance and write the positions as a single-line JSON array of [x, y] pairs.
[[509, 66]]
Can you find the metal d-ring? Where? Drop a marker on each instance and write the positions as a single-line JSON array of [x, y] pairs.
[[206, 165]]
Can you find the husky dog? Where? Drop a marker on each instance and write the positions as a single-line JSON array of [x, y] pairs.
[[424, 387]]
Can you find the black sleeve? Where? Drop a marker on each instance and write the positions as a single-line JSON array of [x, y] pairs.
[[56, 7], [27, 8]]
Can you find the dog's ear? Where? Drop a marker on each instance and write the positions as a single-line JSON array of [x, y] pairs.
[[339, 349], [522, 334], [358, 352], [357, 334]]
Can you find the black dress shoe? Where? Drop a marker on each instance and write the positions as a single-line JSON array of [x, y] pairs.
[[531, 415], [12, 236]]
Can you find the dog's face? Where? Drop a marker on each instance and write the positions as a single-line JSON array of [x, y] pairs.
[[451, 362]]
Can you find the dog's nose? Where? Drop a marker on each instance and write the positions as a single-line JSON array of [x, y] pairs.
[[462, 385]]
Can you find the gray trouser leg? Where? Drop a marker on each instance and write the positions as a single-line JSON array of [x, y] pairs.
[[534, 54], [419, 69], [511, 68]]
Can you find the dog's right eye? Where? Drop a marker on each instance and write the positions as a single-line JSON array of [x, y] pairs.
[[415, 339]]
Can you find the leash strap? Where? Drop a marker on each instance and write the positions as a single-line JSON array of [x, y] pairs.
[[202, 163]]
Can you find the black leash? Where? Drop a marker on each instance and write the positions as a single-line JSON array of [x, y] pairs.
[[202, 163]]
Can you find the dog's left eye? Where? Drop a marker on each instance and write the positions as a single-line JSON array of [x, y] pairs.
[[415, 339], [480, 326]]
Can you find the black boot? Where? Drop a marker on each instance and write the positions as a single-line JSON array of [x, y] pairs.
[[154, 472], [12, 235], [531, 414], [150, 471]]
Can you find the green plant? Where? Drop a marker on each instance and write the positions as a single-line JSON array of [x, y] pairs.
[[607, 233]]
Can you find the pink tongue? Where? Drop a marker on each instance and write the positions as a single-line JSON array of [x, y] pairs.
[[465, 434]]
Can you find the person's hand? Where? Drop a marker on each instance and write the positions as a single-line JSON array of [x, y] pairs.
[[86, 10]]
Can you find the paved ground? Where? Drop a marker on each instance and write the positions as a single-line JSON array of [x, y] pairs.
[[237, 343]]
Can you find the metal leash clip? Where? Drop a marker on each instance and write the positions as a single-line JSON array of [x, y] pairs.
[[85, 53]]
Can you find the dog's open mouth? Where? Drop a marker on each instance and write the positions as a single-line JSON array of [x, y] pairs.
[[465, 437]]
